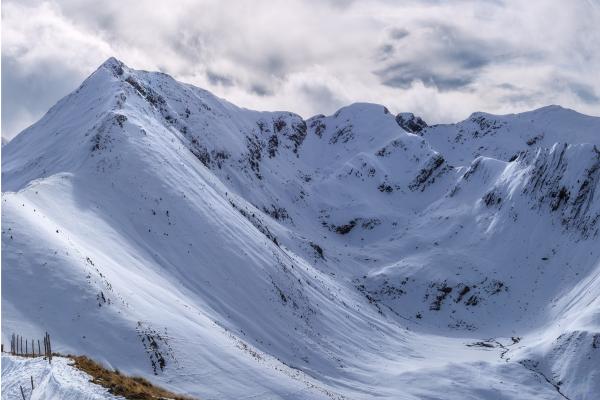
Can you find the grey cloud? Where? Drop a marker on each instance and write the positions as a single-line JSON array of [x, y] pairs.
[[512, 94], [507, 86], [439, 56], [260, 90], [585, 92], [275, 65], [188, 45], [28, 95], [522, 97], [403, 75], [386, 50], [399, 33], [218, 79]]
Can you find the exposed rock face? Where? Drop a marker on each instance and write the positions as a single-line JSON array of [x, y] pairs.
[[410, 123]]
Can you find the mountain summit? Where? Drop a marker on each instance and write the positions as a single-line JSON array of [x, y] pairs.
[[232, 253]]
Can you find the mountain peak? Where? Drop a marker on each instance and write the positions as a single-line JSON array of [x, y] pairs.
[[117, 67], [112, 61]]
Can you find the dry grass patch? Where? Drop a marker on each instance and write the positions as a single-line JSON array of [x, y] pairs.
[[122, 385]]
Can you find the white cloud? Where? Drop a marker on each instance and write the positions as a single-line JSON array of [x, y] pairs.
[[442, 60]]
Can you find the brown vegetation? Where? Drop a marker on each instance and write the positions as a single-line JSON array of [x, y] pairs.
[[121, 385]]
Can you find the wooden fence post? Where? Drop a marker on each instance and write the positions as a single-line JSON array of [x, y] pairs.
[[50, 346]]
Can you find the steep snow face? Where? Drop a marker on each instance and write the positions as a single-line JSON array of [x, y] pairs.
[[230, 252]]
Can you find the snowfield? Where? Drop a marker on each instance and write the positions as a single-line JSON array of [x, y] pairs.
[[228, 253]]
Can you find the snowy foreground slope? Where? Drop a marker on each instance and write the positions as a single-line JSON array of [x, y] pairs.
[[56, 381], [228, 253]]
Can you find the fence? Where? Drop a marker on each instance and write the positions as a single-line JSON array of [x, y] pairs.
[[29, 349]]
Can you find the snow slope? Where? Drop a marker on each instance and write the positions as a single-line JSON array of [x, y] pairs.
[[226, 252], [58, 380]]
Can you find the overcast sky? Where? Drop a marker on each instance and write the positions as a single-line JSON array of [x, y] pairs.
[[440, 59]]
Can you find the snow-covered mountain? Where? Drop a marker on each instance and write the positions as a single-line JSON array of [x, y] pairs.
[[230, 253]]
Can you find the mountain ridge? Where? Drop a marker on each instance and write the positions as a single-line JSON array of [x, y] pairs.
[[304, 257]]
